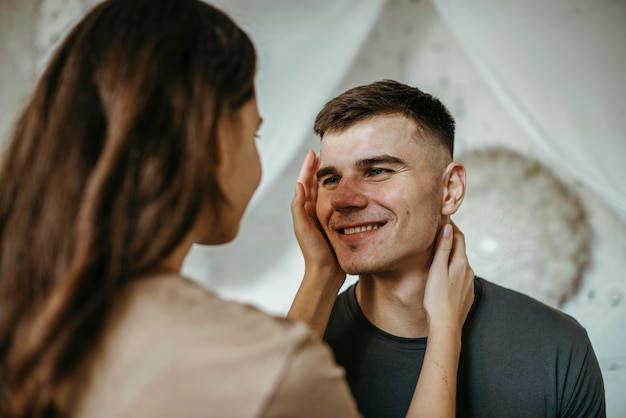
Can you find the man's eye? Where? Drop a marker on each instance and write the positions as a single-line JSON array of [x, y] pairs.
[[378, 171], [330, 180]]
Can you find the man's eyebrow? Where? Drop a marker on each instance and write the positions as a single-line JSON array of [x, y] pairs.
[[324, 171], [364, 162], [379, 159]]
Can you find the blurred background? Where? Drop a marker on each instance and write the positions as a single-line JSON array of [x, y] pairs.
[[538, 92]]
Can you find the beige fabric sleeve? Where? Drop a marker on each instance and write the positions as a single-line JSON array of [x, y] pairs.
[[312, 385]]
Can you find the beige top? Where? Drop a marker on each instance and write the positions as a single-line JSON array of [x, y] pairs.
[[173, 349]]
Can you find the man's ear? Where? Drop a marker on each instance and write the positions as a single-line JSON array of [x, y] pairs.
[[453, 188]]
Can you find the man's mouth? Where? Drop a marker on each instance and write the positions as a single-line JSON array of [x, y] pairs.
[[357, 229]]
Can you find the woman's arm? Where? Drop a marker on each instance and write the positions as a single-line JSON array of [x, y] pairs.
[[448, 298]]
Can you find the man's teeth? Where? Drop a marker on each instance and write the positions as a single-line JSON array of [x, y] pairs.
[[357, 229]]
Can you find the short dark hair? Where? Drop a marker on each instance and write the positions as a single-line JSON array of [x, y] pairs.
[[388, 97]]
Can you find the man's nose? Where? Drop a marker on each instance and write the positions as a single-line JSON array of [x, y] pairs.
[[348, 195]]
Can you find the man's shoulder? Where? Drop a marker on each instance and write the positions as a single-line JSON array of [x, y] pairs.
[[504, 299], [546, 353], [499, 306]]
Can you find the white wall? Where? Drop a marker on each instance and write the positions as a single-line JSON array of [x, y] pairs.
[[17, 57]]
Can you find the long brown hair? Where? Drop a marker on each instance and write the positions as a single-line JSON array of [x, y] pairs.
[[106, 172]]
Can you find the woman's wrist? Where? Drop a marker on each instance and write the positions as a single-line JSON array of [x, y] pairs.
[[326, 279], [449, 333]]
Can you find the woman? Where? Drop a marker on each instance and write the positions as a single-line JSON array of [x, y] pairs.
[[138, 142]]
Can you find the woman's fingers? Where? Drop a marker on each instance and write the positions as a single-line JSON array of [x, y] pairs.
[[444, 246], [298, 212], [461, 271], [306, 225], [307, 178], [450, 286]]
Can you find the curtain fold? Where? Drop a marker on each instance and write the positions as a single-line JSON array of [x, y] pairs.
[[305, 49], [558, 67]]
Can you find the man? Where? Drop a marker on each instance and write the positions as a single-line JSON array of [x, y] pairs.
[[386, 184]]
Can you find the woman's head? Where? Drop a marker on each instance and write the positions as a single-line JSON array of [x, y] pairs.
[[166, 77], [118, 153], [127, 114], [238, 173]]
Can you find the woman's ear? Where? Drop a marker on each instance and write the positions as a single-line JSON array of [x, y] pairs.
[[453, 188], [224, 146]]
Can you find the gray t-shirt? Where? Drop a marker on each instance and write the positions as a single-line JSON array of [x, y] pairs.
[[520, 358]]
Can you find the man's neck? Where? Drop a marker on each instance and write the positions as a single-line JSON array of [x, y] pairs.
[[395, 304]]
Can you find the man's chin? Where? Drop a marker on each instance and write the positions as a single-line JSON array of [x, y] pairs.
[[355, 268], [360, 260]]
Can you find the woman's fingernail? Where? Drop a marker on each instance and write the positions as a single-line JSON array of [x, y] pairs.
[[447, 231]]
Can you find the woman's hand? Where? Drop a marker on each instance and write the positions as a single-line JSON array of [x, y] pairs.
[[450, 285], [323, 276], [315, 247]]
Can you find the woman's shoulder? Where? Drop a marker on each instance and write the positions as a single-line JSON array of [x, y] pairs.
[[189, 310], [174, 344]]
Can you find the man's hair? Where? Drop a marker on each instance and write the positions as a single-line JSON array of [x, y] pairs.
[[388, 97], [108, 169]]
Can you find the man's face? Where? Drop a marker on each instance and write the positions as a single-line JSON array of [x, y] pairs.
[[380, 195]]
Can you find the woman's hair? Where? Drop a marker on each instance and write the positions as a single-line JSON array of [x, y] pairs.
[[106, 173]]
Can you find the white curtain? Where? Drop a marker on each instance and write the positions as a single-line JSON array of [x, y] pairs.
[[305, 49], [559, 68]]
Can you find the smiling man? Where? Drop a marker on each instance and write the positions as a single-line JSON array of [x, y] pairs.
[[386, 184], [381, 198]]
